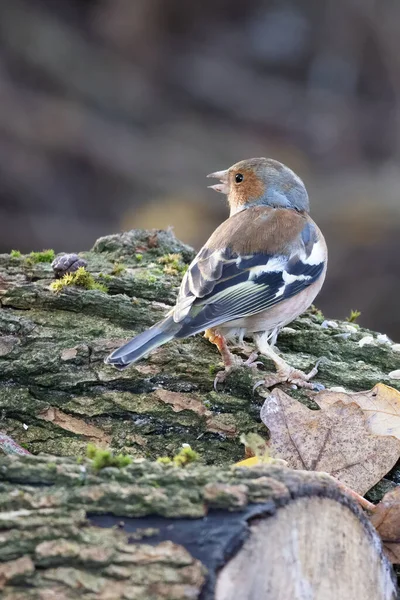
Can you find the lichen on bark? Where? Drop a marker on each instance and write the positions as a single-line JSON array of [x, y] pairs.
[[52, 547], [56, 393]]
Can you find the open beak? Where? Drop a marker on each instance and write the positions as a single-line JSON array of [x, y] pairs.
[[223, 176]]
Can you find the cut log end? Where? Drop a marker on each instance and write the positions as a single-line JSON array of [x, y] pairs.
[[314, 547], [151, 532]]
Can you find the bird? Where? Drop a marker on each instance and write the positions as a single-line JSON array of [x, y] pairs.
[[259, 270]]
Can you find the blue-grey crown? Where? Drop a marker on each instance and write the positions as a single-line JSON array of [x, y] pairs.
[[284, 189]]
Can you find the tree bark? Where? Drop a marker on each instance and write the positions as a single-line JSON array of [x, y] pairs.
[[69, 531], [56, 394], [154, 532]]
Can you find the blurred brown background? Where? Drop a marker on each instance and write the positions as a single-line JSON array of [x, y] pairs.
[[113, 111]]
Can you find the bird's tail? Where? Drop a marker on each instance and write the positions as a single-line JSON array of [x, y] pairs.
[[143, 343]]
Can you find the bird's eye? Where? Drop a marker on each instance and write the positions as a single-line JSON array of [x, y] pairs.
[[239, 178]]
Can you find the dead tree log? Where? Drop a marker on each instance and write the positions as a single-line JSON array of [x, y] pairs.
[[155, 532], [152, 531], [56, 394]]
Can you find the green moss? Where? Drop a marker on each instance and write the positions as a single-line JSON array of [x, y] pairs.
[[185, 456], [146, 277], [173, 264], [255, 445], [105, 458], [46, 256], [164, 460], [105, 276], [81, 278], [354, 314], [118, 269], [139, 257], [15, 254], [316, 313]]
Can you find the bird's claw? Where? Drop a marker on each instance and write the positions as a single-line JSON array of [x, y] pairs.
[[250, 362], [220, 378], [293, 376]]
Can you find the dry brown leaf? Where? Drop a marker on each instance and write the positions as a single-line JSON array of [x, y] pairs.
[[335, 440], [381, 406], [386, 519]]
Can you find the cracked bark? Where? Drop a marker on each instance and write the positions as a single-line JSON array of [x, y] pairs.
[[56, 395], [139, 533]]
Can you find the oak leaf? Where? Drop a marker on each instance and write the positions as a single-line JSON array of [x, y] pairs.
[[381, 406], [386, 519], [335, 440]]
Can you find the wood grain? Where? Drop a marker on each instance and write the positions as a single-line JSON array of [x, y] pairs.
[[312, 549]]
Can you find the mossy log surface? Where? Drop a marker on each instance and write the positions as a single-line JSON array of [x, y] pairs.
[[56, 393], [152, 542]]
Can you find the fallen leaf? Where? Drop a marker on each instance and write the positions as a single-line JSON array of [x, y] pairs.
[[335, 440], [249, 462], [381, 406], [386, 520], [257, 451]]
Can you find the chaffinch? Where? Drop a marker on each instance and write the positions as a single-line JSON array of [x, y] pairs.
[[260, 269]]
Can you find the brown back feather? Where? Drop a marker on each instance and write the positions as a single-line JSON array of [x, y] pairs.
[[260, 229]]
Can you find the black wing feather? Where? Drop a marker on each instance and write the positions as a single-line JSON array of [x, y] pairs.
[[222, 286]]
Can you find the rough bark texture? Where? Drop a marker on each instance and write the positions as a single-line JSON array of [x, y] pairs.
[[153, 543], [56, 394]]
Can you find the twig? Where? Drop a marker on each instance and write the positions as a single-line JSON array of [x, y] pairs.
[[365, 504], [8, 445]]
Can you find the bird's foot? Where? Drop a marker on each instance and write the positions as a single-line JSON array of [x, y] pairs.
[[287, 374], [221, 376], [236, 363], [251, 361]]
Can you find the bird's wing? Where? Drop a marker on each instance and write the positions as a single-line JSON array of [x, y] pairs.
[[247, 267]]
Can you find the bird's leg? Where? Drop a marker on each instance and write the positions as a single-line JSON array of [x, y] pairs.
[[231, 361], [245, 348], [284, 372]]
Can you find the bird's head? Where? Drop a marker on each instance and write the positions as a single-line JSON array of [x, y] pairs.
[[261, 181]]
